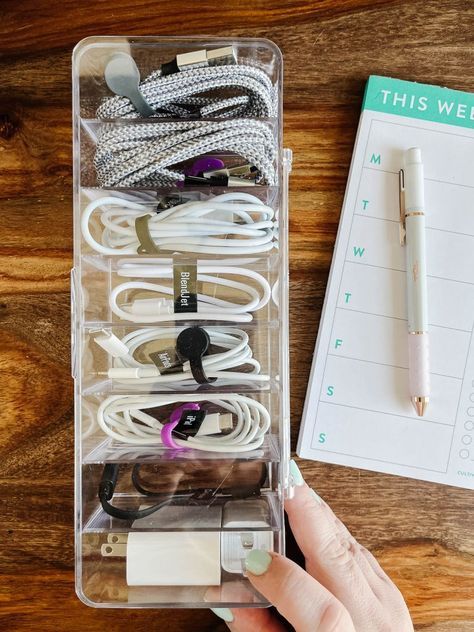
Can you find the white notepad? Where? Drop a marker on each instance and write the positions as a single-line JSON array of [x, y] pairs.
[[357, 409]]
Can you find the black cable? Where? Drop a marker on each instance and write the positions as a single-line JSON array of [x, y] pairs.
[[242, 491], [137, 484], [107, 489], [108, 483], [132, 514]]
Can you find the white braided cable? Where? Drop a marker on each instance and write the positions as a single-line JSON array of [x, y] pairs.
[[152, 154], [218, 91]]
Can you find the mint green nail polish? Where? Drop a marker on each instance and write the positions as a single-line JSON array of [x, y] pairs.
[[257, 562], [224, 613], [316, 497], [298, 479]]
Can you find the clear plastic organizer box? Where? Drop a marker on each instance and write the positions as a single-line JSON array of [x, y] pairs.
[[179, 318]]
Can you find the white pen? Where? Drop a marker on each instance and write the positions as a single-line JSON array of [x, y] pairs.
[[412, 217]]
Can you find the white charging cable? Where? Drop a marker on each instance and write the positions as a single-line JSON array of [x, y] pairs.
[[161, 309], [232, 223], [126, 368], [123, 417]]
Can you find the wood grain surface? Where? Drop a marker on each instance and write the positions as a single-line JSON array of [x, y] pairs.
[[421, 532]]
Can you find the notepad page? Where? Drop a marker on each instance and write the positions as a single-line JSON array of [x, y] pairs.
[[357, 410]]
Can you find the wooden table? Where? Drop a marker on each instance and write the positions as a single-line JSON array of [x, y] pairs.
[[421, 532]]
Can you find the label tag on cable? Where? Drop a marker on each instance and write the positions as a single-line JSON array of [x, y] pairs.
[[166, 361], [190, 422], [185, 288]]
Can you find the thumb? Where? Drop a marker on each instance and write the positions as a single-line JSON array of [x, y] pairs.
[[302, 600]]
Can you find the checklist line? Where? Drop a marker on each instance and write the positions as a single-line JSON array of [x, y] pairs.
[[393, 366], [430, 276], [382, 412], [395, 173], [368, 458], [396, 221], [431, 325]]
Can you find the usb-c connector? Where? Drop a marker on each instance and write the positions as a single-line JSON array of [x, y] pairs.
[[215, 423]]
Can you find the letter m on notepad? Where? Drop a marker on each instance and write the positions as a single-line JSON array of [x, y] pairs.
[[358, 251]]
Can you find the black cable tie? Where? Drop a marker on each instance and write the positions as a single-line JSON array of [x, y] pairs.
[[192, 344]]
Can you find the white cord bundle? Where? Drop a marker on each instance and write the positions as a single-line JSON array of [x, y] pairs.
[[123, 418], [232, 223], [244, 91], [236, 353], [161, 309], [148, 154]]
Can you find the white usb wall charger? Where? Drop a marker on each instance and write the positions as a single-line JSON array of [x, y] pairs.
[[197, 557]]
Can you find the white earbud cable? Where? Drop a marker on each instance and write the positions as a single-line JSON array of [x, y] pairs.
[[236, 353]]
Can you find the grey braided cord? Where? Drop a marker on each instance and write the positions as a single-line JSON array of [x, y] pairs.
[[147, 154], [244, 91]]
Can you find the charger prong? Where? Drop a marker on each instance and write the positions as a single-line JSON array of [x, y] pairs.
[[114, 550]]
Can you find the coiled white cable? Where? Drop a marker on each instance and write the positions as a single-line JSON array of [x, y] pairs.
[[123, 417], [236, 353], [232, 223], [153, 154], [161, 309]]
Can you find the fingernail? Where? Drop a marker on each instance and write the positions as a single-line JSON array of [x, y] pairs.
[[257, 562], [224, 613], [298, 479], [318, 499]]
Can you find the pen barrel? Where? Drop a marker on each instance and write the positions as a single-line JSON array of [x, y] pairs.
[[417, 301], [418, 365], [414, 181]]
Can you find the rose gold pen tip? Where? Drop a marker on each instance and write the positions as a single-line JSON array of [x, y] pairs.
[[420, 404]]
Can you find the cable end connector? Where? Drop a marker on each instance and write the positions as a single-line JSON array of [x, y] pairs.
[[109, 342], [239, 176], [108, 481], [152, 307], [221, 56], [200, 59], [215, 423]]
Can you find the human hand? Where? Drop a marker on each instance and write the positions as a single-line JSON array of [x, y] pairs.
[[343, 588]]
